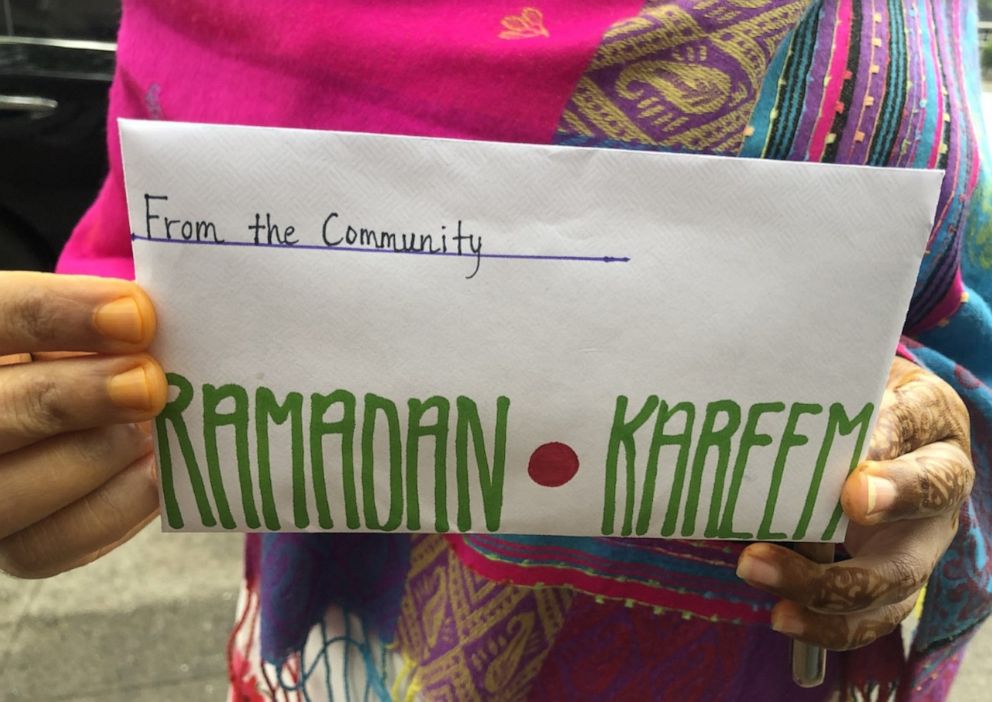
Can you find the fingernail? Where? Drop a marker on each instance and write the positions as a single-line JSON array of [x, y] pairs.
[[130, 389], [788, 624], [881, 494], [152, 468], [758, 572], [141, 435], [120, 320]]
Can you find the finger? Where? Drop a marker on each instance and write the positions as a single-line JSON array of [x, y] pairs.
[[929, 481], [15, 359], [839, 632], [43, 399], [104, 550], [917, 409], [866, 582], [103, 517], [46, 312], [56, 355], [41, 479]]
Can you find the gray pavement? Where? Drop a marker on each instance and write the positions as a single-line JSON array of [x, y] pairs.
[[149, 623], [975, 679]]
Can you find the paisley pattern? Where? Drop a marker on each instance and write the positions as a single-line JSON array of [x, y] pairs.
[[680, 75], [609, 651], [529, 24], [472, 638]]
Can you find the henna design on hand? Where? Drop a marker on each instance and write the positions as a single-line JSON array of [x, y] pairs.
[[921, 445], [941, 480], [842, 633], [918, 409]]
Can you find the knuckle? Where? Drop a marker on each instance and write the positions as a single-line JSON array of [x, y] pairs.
[[34, 318], [38, 407], [93, 447], [908, 428], [24, 556], [886, 440], [964, 468], [841, 589], [967, 480], [907, 574], [953, 408], [105, 514], [946, 478], [924, 488]]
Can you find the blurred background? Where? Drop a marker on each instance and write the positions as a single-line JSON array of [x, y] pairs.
[[150, 621], [56, 63]]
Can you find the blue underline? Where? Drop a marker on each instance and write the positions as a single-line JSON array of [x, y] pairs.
[[308, 247]]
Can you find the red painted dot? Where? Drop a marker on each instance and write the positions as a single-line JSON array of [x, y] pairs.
[[553, 464]]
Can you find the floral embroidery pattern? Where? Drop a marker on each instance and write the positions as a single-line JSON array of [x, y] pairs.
[[529, 24]]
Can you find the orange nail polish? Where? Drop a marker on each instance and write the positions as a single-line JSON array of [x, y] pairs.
[[130, 389], [120, 320]]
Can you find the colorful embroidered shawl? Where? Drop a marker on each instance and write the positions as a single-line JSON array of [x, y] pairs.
[[881, 82]]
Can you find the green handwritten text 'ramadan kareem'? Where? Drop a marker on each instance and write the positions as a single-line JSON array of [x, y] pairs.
[[479, 458]]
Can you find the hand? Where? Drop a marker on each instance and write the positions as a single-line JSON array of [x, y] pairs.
[[77, 474], [903, 502]]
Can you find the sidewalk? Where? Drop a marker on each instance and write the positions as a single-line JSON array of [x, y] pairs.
[[149, 623]]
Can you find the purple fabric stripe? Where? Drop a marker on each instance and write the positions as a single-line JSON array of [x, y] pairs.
[[951, 216], [913, 83], [949, 208], [913, 115], [863, 118], [934, 133], [814, 85]]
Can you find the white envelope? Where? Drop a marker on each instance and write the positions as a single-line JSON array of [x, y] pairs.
[[373, 332]]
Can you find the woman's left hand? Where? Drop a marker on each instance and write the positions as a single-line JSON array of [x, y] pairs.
[[903, 503]]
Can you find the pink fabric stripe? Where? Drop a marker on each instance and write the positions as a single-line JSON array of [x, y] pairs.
[[957, 160], [903, 351], [973, 113], [938, 134], [916, 78], [867, 84], [570, 560], [946, 308], [914, 134], [937, 137], [435, 68], [726, 555], [711, 608], [953, 165], [838, 65], [953, 299]]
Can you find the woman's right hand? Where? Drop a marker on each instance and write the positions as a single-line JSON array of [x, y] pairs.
[[77, 473]]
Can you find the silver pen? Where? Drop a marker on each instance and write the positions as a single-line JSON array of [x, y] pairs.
[[809, 662]]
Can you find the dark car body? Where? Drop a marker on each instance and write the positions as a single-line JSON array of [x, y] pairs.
[[56, 64]]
